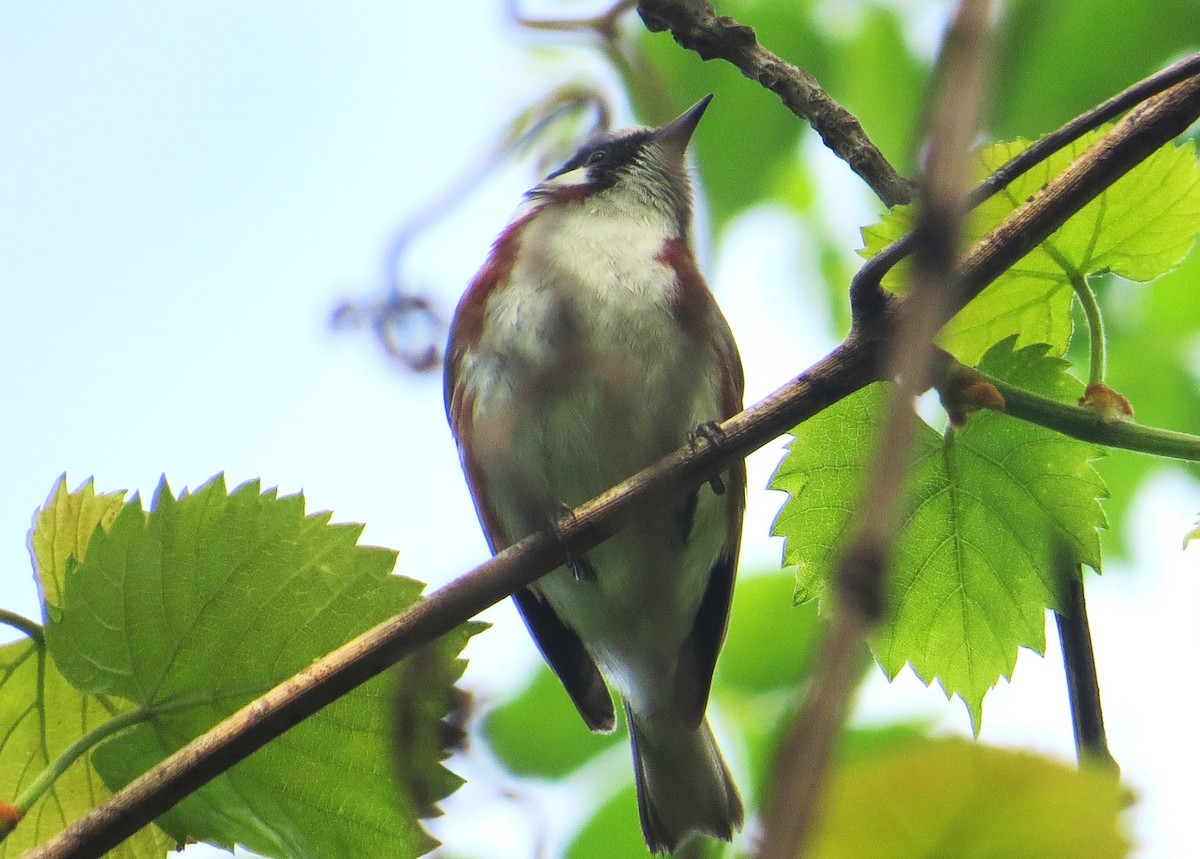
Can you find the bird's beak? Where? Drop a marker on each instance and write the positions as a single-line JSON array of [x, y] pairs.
[[675, 135]]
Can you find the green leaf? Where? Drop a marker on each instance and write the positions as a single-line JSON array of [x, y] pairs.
[[41, 715], [61, 530], [209, 601], [748, 664], [1140, 228], [952, 797], [984, 510], [539, 733]]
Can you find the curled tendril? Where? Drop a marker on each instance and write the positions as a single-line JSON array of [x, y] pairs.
[[405, 322]]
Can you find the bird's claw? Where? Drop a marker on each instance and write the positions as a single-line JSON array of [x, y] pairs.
[[712, 433], [580, 567]]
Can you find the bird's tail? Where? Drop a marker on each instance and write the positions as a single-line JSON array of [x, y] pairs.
[[683, 784]]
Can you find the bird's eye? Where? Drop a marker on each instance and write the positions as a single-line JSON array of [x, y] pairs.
[[597, 157]]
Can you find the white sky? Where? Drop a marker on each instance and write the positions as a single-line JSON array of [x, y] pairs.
[[187, 190]]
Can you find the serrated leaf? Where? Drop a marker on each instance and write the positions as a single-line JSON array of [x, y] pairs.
[[61, 530], [1140, 228], [952, 797], [539, 732], [41, 715], [207, 602], [984, 511]]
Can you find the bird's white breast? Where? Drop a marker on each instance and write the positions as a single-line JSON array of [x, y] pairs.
[[603, 272], [582, 376]]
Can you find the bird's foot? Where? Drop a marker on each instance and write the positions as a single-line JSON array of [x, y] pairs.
[[581, 568], [714, 435]]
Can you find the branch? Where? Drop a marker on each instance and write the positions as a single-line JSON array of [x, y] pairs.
[[842, 372], [697, 27], [1146, 128], [849, 367], [1079, 662], [803, 760], [1067, 134]]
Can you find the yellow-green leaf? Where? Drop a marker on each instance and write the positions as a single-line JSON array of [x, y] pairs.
[[985, 508], [1140, 228], [211, 599], [61, 530], [955, 798], [41, 715]]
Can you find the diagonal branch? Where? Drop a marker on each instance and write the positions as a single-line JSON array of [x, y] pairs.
[[697, 27], [849, 367]]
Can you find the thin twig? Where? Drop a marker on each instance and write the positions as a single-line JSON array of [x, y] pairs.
[[31, 628], [850, 366], [697, 27], [866, 290], [1079, 662], [1045, 146], [800, 769], [1152, 124]]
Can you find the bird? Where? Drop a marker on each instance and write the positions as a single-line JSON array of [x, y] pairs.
[[587, 347]]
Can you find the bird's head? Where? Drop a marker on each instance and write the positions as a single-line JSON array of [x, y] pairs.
[[636, 171]]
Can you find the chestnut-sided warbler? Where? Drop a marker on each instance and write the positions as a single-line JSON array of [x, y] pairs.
[[587, 347]]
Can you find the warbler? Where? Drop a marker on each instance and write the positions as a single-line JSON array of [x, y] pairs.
[[586, 348]]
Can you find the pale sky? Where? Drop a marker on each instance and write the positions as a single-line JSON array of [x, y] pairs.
[[186, 190]]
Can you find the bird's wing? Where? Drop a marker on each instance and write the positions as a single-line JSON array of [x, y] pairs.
[[558, 643], [698, 311]]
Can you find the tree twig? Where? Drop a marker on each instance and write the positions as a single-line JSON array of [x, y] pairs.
[[696, 26], [866, 291], [1079, 663], [31, 628], [850, 366], [800, 768]]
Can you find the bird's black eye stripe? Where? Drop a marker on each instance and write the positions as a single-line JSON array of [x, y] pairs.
[[607, 155]]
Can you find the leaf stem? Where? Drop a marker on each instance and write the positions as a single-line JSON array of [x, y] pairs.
[[1086, 425], [1097, 338], [45, 779], [31, 628], [77, 749]]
